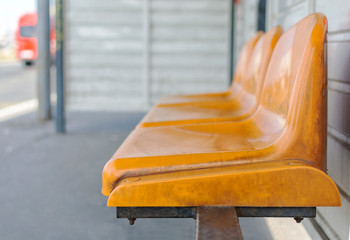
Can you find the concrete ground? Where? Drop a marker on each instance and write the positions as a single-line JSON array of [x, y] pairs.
[[50, 185], [17, 83]]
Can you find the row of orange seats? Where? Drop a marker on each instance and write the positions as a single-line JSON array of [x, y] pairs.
[[261, 143]]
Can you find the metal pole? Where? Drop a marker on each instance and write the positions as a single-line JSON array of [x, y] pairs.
[[60, 113], [43, 25], [232, 42], [146, 52]]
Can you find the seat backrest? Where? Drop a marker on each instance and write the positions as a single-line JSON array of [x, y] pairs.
[[253, 79], [294, 98], [243, 61]]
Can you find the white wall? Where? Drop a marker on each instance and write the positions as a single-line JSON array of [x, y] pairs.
[[125, 54], [334, 221]]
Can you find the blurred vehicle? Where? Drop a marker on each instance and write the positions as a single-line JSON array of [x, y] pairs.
[[26, 39]]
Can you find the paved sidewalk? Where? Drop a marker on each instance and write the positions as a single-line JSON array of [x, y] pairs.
[[50, 183]]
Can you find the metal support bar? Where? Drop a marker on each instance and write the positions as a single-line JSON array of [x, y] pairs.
[[218, 223], [146, 52], [191, 212], [230, 42], [44, 60], [60, 112], [156, 212]]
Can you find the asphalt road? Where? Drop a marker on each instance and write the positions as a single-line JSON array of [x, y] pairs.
[[17, 83]]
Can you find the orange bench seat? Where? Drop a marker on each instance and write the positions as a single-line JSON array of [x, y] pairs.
[[275, 158]]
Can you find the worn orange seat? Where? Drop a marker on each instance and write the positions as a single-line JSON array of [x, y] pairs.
[[275, 158], [241, 101], [196, 99]]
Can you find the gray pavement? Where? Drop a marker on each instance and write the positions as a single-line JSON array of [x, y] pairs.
[[50, 184], [17, 83]]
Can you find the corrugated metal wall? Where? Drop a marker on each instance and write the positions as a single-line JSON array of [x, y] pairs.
[[335, 221], [190, 47], [104, 54], [125, 54]]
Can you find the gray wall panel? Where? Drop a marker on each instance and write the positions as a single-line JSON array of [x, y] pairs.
[[202, 33], [337, 12], [141, 50], [245, 24], [286, 13], [106, 5], [188, 37], [190, 5], [339, 111], [104, 46], [339, 61]]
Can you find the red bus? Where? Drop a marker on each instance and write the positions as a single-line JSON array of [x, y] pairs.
[[26, 40]]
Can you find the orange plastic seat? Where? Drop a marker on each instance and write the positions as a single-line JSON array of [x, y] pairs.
[[235, 106], [196, 99], [275, 158]]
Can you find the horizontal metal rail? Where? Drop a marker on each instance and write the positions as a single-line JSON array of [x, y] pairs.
[[191, 212]]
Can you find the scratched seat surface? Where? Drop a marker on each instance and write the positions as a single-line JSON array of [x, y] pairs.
[[196, 99], [277, 157], [236, 107]]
